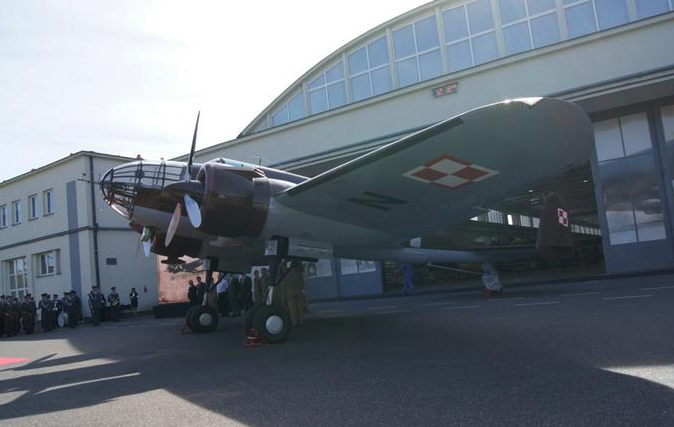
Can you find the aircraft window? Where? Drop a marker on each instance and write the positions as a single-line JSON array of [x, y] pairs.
[[646, 8], [381, 80], [540, 6], [580, 20], [484, 48], [517, 38], [480, 16], [460, 56], [611, 13], [512, 10], [545, 30]]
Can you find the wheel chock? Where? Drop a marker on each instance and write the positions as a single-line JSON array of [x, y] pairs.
[[254, 339]]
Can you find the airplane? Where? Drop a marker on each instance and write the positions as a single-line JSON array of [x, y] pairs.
[[236, 215]]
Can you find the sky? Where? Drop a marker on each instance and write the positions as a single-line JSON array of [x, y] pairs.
[[127, 77]]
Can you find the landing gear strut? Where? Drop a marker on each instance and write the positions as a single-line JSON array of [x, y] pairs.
[[204, 318], [271, 321]]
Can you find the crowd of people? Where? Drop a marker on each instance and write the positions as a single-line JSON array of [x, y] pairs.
[[237, 293], [52, 312]]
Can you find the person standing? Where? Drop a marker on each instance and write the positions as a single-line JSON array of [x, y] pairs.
[[78, 305], [233, 291], [408, 275], [201, 290], [258, 293], [95, 304], [293, 286], [223, 295], [70, 308], [28, 314], [192, 293], [246, 292], [56, 308], [133, 300], [45, 313], [113, 300], [264, 281]]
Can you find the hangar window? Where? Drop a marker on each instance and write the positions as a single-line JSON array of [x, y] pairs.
[[417, 52], [327, 91], [580, 18], [647, 8], [527, 24], [629, 186], [294, 110], [470, 35], [369, 72]]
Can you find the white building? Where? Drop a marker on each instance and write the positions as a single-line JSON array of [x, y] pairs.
[[57, 234]]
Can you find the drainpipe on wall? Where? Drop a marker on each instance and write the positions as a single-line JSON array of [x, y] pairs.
[[95, 224]]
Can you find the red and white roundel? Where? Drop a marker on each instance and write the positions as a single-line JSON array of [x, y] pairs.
[[563, 217]]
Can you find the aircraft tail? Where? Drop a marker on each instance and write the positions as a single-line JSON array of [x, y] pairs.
[[554, 233]]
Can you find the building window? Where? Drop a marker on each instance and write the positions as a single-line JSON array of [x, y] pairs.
[[294, 110], [648, 8], [369, 72], [470, 35], [17, 272], [32, 207], [327, 91], [528, 24], [111, 261], [16, 212], [629, 186], [47, 263], [48, 201], [586, 16], [417, 52], [3, 216]]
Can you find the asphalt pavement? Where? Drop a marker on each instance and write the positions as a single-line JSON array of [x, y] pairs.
[[597, 353]]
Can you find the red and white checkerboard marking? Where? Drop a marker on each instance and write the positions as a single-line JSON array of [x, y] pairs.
[[449, 172], [563, 217]]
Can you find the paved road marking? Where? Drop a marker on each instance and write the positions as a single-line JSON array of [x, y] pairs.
[[659, 287], [537, 303], [580, 294], [384, 307], [505, 299], [331, 311], [461, 307], [628, 297], [439, 303], [391, 312]]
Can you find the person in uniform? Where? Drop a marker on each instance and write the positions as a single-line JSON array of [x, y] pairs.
[[293, 289], [16, 316], [57, 308], [113, 300], [45, 313], [95, 304], [223, 295], [233, 291], [201, 290], [28, 314], [246, 292], [133, 300], [264, 280], [2, 316], [70, 308], [258, 294], [192, 293]]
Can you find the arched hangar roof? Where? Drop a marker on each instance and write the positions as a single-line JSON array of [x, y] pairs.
[[440, 38]]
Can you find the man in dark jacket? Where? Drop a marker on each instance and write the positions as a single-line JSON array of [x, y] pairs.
[[95, 304], [246, 292], [28, 314], [70, 308], [233, 291], [45, 306], [192, 293]]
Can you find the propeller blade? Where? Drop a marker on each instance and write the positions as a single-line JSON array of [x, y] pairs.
[[173, 226], [194, 145], [193, 211], [147, 245]]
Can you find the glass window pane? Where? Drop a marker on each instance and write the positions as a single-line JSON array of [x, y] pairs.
[[296, 107], [580, 20], [480, 16], [403, 42], [636, 135], [336, 72], [280, 117], [407, 72], [611, 13], [607, 140], [319, 81], [357, 62], [455, 24], [318, 101], [646, 198], [540, 6], [427, 33], [512, 10], [360, 87], [430, 65], [517, 38], [336, 95], [378, 52], [459, 56], [646, 8], [484, 48], [381, 81], [617, 202], [667, 114], [545, 30]]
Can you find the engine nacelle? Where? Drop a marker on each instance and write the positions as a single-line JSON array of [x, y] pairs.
[[235, 201]]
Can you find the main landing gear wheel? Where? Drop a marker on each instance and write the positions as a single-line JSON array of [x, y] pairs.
[[272, 322], [202, 319], [187, 317], [250, 316]]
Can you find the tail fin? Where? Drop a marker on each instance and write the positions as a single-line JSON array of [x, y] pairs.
[[554, 233]]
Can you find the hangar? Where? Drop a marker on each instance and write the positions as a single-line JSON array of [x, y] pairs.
[[612, 57]]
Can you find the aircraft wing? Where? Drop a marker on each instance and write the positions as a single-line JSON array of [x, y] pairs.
[[451, 171]]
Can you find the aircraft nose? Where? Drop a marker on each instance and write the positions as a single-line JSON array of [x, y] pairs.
[[119, 187]]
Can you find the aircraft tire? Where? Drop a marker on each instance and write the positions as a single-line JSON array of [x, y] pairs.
[[203, 318], [188, 315], [250, 316], [273, 323]]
